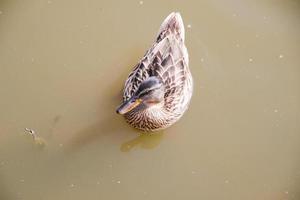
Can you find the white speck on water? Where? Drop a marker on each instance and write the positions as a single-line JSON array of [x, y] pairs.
[[118, 182], [141, 2], [22, 180], [250, 59], [276, 111], [226, 181], [237, 45], [189, 26], [49, 2], [287, 192], [280, 56], [72, 185], [265, 19], [202, 59]]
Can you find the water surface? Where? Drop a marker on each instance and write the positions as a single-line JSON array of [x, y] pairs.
[[62, 68]]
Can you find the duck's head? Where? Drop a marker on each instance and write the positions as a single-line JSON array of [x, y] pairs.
[[150, 93]]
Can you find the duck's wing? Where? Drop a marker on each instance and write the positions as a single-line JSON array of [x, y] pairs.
[[167, 59]]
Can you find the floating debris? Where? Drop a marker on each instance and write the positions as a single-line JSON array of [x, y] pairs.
[[40, 142], [189, 26], [141, 2], [280, 56], [250, 60]]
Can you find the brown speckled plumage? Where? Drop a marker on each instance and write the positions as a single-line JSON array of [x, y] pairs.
[[167, 60]]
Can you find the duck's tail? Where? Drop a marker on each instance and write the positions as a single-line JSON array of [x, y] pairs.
[[172, 24]]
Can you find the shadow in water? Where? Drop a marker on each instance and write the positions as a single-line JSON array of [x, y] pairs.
[[110, 126], [145, 141]]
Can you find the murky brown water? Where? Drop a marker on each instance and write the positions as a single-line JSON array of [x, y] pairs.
[[63, 64]]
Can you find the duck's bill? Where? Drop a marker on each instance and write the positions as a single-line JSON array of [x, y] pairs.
[[129, 105]]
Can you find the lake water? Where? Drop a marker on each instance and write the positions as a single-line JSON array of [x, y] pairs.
[[62, 68]]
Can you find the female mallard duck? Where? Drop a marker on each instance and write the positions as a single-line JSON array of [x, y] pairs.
[[158, 90]]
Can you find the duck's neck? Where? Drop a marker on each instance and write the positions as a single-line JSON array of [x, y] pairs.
[[150, 119]]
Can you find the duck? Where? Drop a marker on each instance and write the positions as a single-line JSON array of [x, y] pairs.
[[159, 88]]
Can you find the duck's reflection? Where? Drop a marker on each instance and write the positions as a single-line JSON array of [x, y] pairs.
[[145, 141]]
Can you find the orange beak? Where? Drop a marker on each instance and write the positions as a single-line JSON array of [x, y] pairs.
[[128, 106]]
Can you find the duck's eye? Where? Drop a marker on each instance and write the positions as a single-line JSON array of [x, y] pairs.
[[144, 93]]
